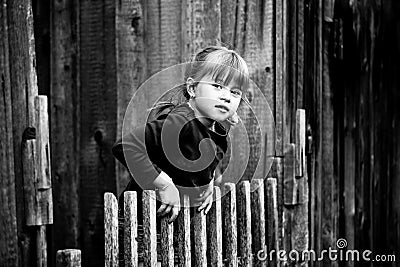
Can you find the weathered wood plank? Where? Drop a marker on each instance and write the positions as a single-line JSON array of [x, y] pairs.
[[68, 258], [182, 234], [258, 218], [279, 77], [300, 142], [300, 55], [41, 246], [230, 224], [214, 230], [8, 231], [167, 242], [244, 224], [149, 229], [228, 21], [43, 186], [290, 183], [199, 233], [110, 230], [130, 228], [131, 67], [65, 121], [273, 220]]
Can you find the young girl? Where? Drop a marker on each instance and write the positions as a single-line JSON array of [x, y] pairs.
[[177, 153]]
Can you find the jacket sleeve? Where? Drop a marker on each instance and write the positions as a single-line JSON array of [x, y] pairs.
[[134, 148]]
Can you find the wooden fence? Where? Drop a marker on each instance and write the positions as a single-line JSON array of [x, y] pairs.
[[239, 225]]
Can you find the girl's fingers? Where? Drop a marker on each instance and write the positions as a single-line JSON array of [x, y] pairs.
[[166, 210], [174, 213], [162, 208], [208, 207]]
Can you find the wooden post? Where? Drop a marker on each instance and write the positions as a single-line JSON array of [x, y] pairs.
[[110, 230], [214, 230], [290, 182], [258, 218], [199, 238], [149, 229], [68, 258], [182, 234], [273, 221], [229, 226], [244, 224], [167, 242], [130, 229]]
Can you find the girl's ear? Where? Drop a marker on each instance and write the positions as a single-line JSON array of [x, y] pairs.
[[190, 87]]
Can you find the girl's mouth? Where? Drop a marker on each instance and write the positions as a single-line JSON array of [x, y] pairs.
[[221, 107]]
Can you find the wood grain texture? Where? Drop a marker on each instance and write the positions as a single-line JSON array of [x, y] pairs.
[[130, 228], [300, 138], [149, 229], [110, 230], [244, 224], [258, 218], [65, 118], [98, 106], [199, 239], [279, 78], [229, 214], [182, 234], [131, 67], [167, 242], [214, 231], [273, 230], [68, 258], [290, 183]]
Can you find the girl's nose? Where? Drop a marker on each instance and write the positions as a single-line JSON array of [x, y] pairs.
[[225, 95]]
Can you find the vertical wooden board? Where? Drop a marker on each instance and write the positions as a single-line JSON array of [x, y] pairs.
[[273, 222], [229, 225], [244, 224], [149, 229], [300, 54], [300, 137], [203, 23], [130, 228], [43, 187], [68, 258], [170, 32], [8, 213], [286, 107], [130, 67], [182, 234], [290, 183], [199, 237], [240, 26], [291, 95], [279, 79], [110, 230], [30, 180], [167, 242], [214, 231], [98, 101], [41, 246], [152, 42], [64, 108], [228, 20], [258, 219], [23, 91]]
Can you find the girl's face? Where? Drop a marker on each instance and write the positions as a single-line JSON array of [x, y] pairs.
[[215, 101]]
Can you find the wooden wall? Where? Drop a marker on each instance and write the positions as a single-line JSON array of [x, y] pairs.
[[338, 60]]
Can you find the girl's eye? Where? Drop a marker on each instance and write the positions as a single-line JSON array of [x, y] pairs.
[[236, 92], [216, 85]]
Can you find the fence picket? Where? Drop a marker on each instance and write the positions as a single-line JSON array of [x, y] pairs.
[[258, 218], [130, 229], [214, 224], [167, 242], [149, 229], [182, 234], [229, 229], [199, 238], [273, 221], [244, 223], [68, 258], [110, 230]]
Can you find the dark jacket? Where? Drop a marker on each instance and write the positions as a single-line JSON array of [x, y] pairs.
[[177, 143]]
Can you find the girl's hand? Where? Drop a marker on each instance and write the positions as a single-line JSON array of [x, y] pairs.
[[206, 198], [170, 201], [168, 195]]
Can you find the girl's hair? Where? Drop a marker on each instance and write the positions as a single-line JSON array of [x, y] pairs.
[[218, 62]]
